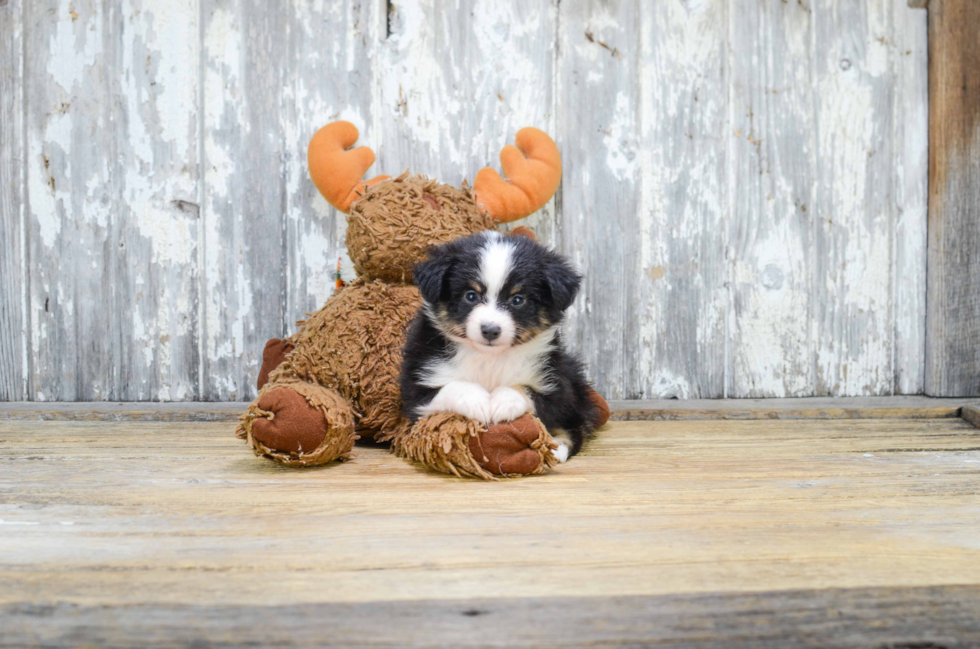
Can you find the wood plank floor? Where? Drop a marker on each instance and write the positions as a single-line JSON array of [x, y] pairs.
[[861, 533]]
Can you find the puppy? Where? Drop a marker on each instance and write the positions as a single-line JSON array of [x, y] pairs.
[[486, 343]]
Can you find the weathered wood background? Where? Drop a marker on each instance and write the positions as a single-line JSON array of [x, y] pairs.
[[745, 181], [953, 289]]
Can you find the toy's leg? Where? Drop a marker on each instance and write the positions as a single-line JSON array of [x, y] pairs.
[[272, 356], [299, 423], [451, 443], [601, 406]]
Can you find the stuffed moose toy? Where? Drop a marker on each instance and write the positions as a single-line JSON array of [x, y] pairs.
[[336, 379]]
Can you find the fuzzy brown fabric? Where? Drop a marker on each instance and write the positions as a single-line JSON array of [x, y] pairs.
[[441, 442], [293, 425], [299, 412], [519, 447], [354, 345], [272, 357], [390, 228], [523, 231], [451, 443], [601, 405], [337, 377]]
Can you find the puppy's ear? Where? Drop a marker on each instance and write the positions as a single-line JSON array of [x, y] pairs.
[[430, 276], [563, 283]]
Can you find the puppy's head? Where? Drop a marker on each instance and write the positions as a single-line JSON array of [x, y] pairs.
[[492, 292]]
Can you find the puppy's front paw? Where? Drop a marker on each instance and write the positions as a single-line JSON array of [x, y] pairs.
[[507, 404], [474, 404], [561, 453], [564, 446]]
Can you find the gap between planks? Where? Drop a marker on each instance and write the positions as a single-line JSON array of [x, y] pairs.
[[901, 407]]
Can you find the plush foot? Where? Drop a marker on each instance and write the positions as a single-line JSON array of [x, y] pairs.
[[513, 447], [299, 424], [294, 426], [272, 357], [450, 443]]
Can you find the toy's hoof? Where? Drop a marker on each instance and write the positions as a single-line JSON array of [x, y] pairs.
[[600, 405], [512, 447], [272, 357], [294, 427]]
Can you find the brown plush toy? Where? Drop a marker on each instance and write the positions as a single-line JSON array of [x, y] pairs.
[[337, 377]]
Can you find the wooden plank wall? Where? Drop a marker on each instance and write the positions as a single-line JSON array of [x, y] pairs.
[[745, 182], [13, 349], [953, 335]]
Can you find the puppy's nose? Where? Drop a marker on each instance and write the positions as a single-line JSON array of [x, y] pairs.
[[490, 331]]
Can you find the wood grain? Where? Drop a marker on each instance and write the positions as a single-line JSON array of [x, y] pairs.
[[598, 119], [912, 407], [154, 238], [71, 154], [743, 182], [909, 55], [13, 264], [142, 526], [852, 210], [860, 618], [640, 413], [772, 136], [151, 514], [137, 411], [971, 414], [953, 318], [331, 73], [677, 296], [456, 80], [244, 195]]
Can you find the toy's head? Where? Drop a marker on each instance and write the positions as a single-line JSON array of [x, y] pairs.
[[392, 222]]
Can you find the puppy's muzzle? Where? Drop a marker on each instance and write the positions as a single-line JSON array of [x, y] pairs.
[[490, 331]]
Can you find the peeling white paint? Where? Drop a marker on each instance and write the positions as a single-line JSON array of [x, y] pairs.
[[47, 186], [620, 147], [694, 134], [75, 45], [176, 76]]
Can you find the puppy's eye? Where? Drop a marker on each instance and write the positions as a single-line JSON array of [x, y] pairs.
[[471, 297], [517, 300]]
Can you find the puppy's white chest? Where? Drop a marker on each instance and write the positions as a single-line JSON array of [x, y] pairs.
[[492, 371], [518, 366]]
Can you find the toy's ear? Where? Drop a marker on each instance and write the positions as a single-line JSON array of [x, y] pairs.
[[563, 282], [533, 170], [430, 276], [337, 171]]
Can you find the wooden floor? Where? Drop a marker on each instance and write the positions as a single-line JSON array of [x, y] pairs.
[[856, 533]]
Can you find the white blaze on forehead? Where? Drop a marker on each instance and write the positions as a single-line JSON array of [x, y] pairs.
[[495, 260], [495, 265]]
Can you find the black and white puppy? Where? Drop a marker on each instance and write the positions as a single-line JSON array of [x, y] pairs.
[[486, 343]]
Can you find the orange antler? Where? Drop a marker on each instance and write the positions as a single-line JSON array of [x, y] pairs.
[[337, 171], [533, 170]]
